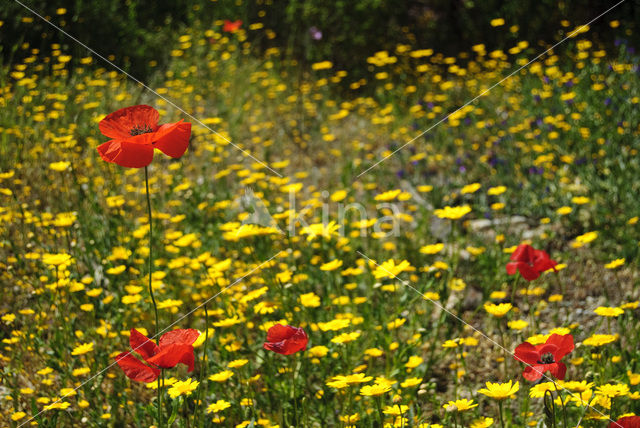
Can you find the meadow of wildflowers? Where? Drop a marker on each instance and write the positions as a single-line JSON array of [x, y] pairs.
[[300, 252]]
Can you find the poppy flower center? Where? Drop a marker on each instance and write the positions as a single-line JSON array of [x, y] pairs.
[[140, 129], [547, 358]]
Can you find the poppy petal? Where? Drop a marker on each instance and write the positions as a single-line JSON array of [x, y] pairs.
[[119, 124], [280, 332], [169, 356], [172, 139], [559, 370], [528, 272], [535, 372], [564, 344], [626, 422], [142, 344], [523, 253], [182, 336], [127, 154], [527, 353], [135, 370], [290, 344], [512, 267]]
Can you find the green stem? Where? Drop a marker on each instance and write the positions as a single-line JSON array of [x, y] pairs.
[[153, 299], [500, 413], [514, 289], [295, 400], [564, 409], [203, 370], [380, 414]]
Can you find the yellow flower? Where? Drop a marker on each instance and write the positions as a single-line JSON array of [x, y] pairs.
[[475, 251], [346, 337], [450, 343], [497, 22], [482, 423], [600, 339], [498, 190], [396, 410], [332, 265], [615, 263], [610, 390], [59, 166], [218, 406], [221, 376], [57, 405], [470, 188], [82, 348], [373, 352], [320, 229], [339, 195], [580, 200], [517, 324], [349, 379], [608, 312], [432, 249], [318, 351], [248, 230], [459, 405], [500, 391], [410, 382], [414, 361], [17, 416], [237, 363], [185, 387], [310, 300], [452, 213], [56, 259], [390, 269], [335, 325], [538, 391], [564, 210], [116, 270], [374, 390], [388, 196], [586, 238], [323, 65], [498, 310]]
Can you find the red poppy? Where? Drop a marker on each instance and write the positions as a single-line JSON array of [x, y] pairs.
[[175, 347], [286, 340], [231, 26], [529, 262], [545, 357], [626, 422], [135, 132]]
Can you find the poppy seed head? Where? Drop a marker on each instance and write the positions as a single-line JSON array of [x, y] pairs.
[[140, 129], [547, 358]]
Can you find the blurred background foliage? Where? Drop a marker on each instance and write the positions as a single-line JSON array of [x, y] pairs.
[[135, 34]]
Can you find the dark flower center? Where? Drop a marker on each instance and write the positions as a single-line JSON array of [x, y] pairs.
[[140, 129], [547, 358]]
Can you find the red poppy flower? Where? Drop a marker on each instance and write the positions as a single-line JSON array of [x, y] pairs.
[[175, 347], [545, 357], [135, 132], [231, 26], [529, 262], [626, 422], [286, 340]]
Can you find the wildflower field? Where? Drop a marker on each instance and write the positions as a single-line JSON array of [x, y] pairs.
[[441, 241]]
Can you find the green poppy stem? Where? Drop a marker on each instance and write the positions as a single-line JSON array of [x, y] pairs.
[[153, 299]]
